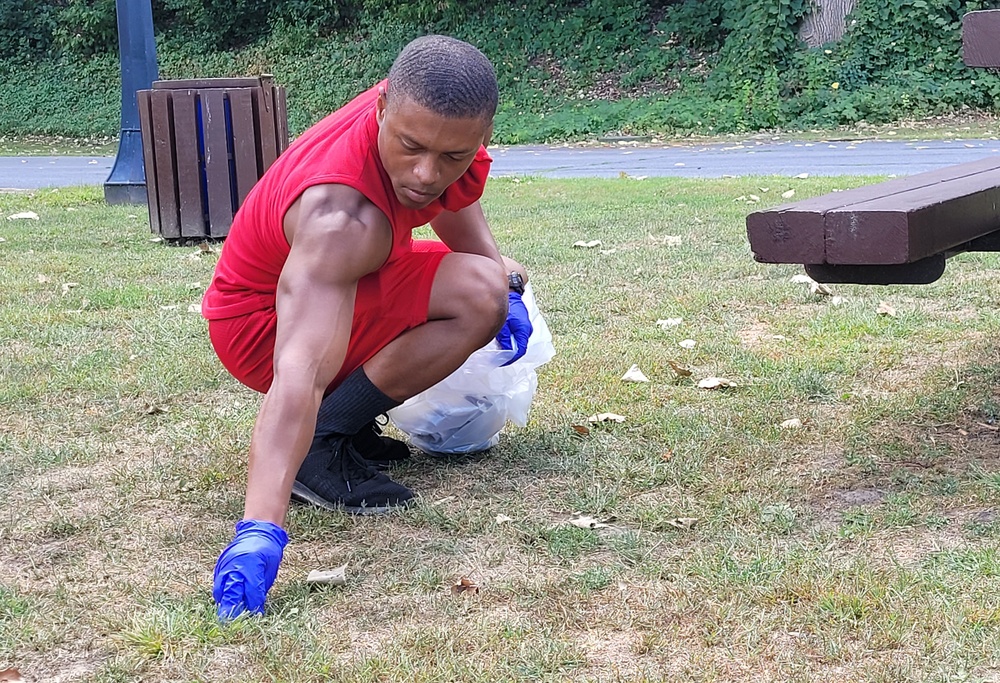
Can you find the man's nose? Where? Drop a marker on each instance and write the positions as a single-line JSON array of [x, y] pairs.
[[426, 171]]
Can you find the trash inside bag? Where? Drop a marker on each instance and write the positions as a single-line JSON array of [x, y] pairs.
[[466, 411]]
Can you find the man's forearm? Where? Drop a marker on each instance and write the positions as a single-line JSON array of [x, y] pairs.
[[281, 439]]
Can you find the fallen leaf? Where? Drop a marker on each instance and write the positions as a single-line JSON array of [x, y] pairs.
[[68, 286], [195, 285], [886, 309], [587, 245], [634, 374], [687, 344], [802, 279], [802, 176], [205, 248], [838, 300], [682, 522], [962, 432], [588, 522], [716, 383], [672, 240], [194, 308], [24, 215], [168, 308], [606, 417], [669, 322], [152, 409], [581, 430], [820, 288], [794, 423], [679, 370], [667, 455], [503, 519], [788, 195], [442, 501], [11, 675], [754, 198], [329, 577], [466, 586], [42, 279]]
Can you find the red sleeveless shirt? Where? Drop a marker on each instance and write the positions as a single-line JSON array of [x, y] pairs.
[[341, 149]]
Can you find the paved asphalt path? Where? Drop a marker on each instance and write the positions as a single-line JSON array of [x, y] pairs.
[[739, 158]]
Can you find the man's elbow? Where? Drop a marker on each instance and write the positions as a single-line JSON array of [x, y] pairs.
[[294, 378]]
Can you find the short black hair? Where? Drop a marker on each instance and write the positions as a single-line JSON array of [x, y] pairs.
[[446, 75]]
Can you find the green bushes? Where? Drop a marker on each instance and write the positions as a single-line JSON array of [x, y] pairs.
[[569, 69]]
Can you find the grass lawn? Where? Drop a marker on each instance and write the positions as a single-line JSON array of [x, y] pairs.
[[861, 546]]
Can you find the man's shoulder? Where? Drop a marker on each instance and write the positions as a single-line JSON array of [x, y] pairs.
[[337, 202]]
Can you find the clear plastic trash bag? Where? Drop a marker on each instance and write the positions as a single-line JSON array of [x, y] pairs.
[[465, 412]]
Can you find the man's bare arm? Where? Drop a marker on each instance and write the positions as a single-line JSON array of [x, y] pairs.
[[468, 231], [336, 238]]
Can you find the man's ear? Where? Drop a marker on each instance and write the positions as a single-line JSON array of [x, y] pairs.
[[380, 105], [487, 135]]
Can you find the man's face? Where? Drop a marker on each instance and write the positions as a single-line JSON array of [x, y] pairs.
[[424, 152]]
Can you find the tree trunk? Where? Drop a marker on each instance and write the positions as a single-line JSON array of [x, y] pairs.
[[825, 24]]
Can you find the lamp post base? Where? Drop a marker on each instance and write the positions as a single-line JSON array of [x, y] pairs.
[[127, 182], [124, 193]]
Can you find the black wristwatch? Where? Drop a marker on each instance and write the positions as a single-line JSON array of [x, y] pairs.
[[515, 282]]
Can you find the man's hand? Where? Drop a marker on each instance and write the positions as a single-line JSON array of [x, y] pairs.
[[518, 326], [246, 570]]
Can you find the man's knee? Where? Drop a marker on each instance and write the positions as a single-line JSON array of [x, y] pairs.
[[484, 297]]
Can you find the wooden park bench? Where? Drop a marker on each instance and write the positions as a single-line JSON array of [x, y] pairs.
[[900, 231]]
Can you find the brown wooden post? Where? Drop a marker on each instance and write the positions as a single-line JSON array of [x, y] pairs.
[[981, 38]]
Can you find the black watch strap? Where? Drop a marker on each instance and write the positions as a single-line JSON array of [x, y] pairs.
[[515, 282]]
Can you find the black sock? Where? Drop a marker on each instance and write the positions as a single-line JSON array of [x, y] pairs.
[[352, 405]]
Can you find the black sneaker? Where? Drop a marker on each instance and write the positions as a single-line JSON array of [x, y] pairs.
[[377, 449], [334, 476]]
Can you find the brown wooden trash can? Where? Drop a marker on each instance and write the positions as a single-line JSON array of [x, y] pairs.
[[205, 143]]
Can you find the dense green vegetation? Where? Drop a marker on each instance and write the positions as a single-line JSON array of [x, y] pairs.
[[568, 69]]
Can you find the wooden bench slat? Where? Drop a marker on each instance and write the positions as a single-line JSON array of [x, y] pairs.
[[981, 38], [909, 226], [797, 233]]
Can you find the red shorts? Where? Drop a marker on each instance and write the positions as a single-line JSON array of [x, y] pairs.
[[389, 302]]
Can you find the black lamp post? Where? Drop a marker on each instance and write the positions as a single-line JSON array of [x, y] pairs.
[[137, 51]]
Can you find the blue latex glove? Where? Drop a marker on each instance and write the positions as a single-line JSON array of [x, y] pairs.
[[247, 568], [518, 326]]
